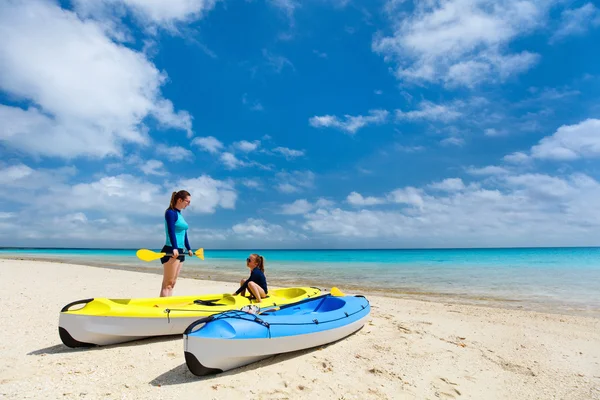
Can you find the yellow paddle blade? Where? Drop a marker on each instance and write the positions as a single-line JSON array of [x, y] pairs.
[[200, 253], [148, 255], [336, 292]]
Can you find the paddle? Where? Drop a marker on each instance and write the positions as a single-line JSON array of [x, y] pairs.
[[149, 255], [336, 292]]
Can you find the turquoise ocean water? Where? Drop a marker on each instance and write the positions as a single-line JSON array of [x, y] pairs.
[[560, 279]]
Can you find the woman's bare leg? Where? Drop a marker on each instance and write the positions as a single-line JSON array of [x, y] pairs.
[[170, 270], [243, 292], [257, 291]]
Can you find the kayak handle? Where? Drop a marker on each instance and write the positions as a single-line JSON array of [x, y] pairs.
[[66, 308], [194, 324]]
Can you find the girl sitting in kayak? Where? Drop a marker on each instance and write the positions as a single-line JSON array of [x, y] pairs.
[[257, 282]]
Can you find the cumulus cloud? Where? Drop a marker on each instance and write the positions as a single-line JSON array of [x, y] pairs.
[[174, 153], [487, 170], [570, 142], [288, 153], [577, 21], [460, 42], [254, 228], [449, 185], [519, 209], [452, 141], [349, 124], [147, 13], [295, 181], [208, 143], [153, 167], [80, 88], [208, 194], [430, 111], [246, 146], [300, 206], [516, 158], [356, 199], [231, 161]]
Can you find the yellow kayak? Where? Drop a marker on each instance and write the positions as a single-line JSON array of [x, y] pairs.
[[103, 321]]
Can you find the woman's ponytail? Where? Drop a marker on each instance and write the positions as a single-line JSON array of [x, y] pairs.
[[261, 263], [173, 200]]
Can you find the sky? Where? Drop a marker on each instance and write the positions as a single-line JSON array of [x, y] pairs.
[[300, 124]]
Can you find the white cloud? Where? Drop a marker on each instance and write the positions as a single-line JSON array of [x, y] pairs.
[[50, 192], [174, 153], [293, 182], [449, 185], [350, 124], [516, 157], [231, 161], [278, 63], [541, 185], [356, 199], [408, 195], [488, 170], [408, 149], [254, 105], [577, 21], [153, 167], [208, 143], [287, 6], [288, 153], [430, 111], [21, 180], [147, 12], [452, 141], [247, 146], [300, 206], [251, 183], [208, 194], [106, 195], [460, 42], [14, 173], [530, 209], [254, 228], [83, 91], [570, 142], [324, 203], [285, 187]]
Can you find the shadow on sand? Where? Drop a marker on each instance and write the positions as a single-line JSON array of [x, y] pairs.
[[181, 373], [61, 348]]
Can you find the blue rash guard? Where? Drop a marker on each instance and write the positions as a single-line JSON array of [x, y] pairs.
[[176, 230], [256, 276]]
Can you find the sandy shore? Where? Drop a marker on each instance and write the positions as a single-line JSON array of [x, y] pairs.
[[409, 350]]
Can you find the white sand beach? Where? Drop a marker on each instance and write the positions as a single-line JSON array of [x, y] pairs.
[[410, 349]]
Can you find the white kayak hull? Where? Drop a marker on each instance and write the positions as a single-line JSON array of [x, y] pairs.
[[83, 330], [234, 339]]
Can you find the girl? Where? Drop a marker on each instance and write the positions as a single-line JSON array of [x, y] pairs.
[[257, 282]]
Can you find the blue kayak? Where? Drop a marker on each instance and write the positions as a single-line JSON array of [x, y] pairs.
[[235, 338]]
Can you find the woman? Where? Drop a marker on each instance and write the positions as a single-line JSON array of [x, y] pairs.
[[176, 237], [257, 282]]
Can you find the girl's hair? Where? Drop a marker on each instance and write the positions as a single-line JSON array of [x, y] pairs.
[[261, 262], [182, 194]]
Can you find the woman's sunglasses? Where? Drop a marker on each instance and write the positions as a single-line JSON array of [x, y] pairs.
[[248, 260]]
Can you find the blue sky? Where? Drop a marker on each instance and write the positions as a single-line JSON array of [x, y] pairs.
[[314, 124]]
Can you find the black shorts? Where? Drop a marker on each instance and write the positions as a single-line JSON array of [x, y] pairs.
[[169, 249]]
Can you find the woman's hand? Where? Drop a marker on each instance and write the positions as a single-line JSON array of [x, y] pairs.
[[190, 253], [175, 253]]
